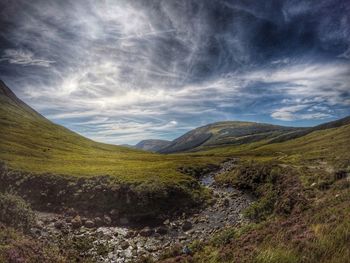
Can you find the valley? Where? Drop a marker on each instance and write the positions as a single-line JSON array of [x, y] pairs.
[[234, 190], [131, 242]]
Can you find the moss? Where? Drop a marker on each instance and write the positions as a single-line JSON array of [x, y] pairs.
[[15, 212]]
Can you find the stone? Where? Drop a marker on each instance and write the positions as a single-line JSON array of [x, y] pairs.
[[89, 224], [124, 245], [226, 202], [161, 230], [71, 212], [98, 221], [186, 226], [146, 232], [59, 224], [107, 220], [76, 222], [130, 234]]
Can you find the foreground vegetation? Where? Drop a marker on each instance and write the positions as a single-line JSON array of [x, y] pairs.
[[290, 222], [302, 210]]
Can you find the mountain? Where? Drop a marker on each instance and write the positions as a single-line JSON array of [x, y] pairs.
[[41, 160], [226, 133], [300, 133], [152, 145]]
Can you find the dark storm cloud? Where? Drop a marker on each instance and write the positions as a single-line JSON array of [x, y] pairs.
[[122, 71]]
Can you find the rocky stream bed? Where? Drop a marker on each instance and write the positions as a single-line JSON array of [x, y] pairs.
[[126, 243]]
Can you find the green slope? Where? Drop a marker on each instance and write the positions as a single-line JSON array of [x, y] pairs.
[[32, 143], [55, 168], [329, 145], [226, 133]]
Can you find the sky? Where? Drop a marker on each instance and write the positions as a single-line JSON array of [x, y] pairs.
[[120, 71]]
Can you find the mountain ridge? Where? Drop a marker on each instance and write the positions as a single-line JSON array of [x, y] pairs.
[[152, 145], [226, 133]]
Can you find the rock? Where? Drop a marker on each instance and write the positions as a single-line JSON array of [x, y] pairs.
[[98, 221], [226, 202], [146, 232], [161, 230], [76, 222], [182, 238], [107, 220], [59, 224], [89, 224], [166, 222], [123, 221], [124, 245], [71, 212], [130, 234], [186, 226]]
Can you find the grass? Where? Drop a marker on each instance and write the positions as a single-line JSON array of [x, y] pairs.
[[55, 168], [319, 232], [329, 145], [29, 142], [302, 210]]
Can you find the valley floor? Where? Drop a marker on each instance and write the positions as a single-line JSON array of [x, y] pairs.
[[127, 243]]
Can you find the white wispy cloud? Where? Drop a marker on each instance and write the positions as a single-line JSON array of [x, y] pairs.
[[122, 71], [24, 58]]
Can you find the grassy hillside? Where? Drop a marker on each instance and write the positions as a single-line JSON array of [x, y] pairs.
[[301, 214], [226, 133], [57, 167], [330, 145], [30, 142], [324, 126]]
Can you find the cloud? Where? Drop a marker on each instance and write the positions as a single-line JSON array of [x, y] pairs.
[[119, 71], [24, 58], [296, 112]]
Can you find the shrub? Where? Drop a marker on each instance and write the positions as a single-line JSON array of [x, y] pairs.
[[224, 237], [15, 212], [262, 208], [277, 255]]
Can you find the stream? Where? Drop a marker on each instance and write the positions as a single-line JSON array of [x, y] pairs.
[[125, 244]]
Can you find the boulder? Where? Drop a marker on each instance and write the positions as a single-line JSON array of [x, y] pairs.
[[107, 220], [146, 232], [161, 230], [71, 212], [98, 221], [130, 234], [226, 202], [76, 222], [89, 224], [186, 226], [124, 245], [59, 224]]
